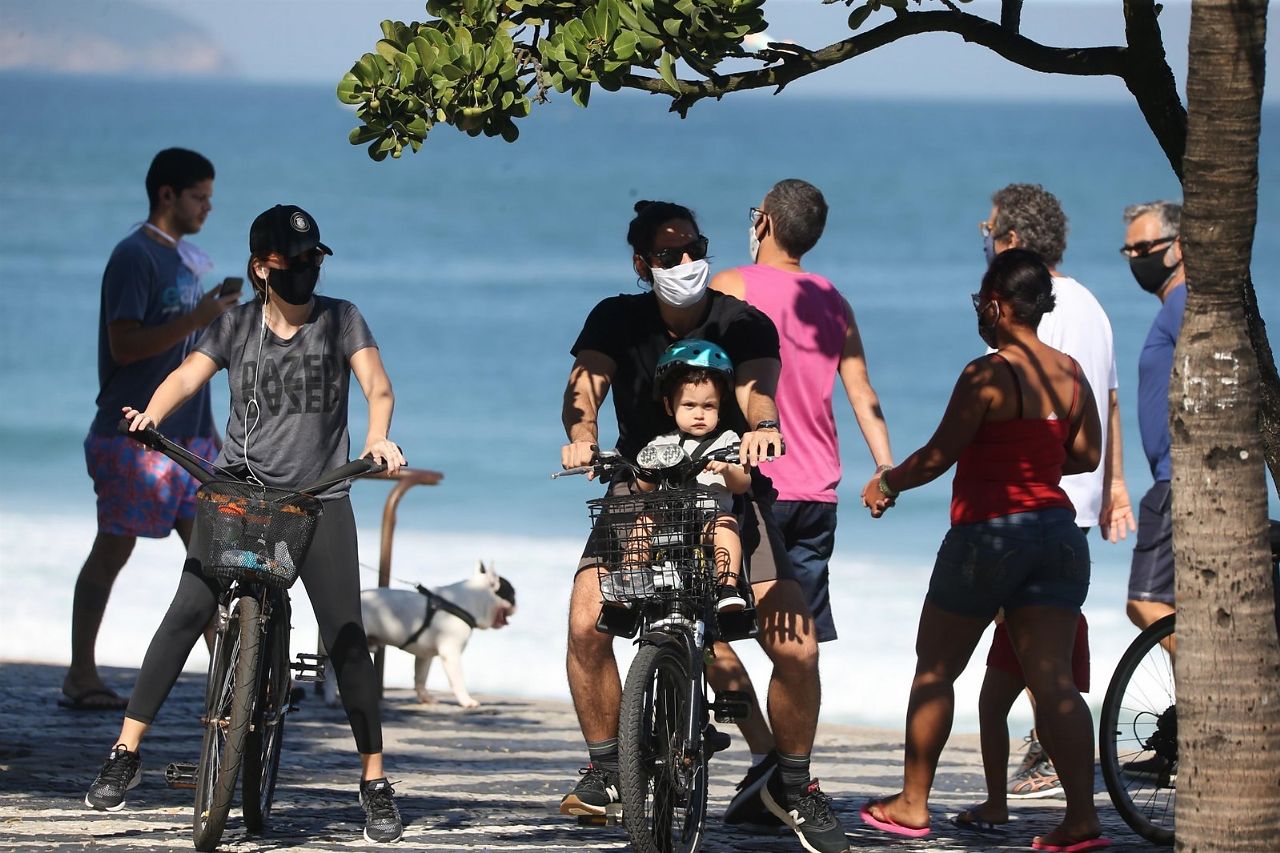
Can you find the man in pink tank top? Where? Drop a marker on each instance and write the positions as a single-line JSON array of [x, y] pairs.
[[818, 340]]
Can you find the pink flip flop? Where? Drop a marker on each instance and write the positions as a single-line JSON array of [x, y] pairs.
[[890, 826], [1097, 843]]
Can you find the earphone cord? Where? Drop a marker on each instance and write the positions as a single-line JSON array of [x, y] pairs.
[[253, 402]]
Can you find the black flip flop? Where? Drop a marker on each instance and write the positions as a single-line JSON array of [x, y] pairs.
[[78, 702], [966, 822]]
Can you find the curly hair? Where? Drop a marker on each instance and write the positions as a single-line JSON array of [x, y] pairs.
[[1036, 215], [650, 216]]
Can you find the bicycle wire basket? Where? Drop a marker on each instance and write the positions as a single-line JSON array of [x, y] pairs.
[[254, 533], [655, 546]]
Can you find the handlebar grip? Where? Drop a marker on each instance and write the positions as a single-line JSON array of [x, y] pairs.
[[569, 472], [148, 437]]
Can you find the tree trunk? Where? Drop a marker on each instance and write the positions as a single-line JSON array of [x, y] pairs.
[[1228, 662]]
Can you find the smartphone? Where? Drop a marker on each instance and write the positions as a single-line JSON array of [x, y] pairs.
[[231, 286]]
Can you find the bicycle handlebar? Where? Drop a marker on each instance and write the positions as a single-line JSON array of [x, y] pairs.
[[194, 465], [611, 460]]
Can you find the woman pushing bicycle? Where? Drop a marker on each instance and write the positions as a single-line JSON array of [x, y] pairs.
[[289, 356]]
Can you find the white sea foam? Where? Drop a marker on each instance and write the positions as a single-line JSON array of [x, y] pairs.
[[866, 673]]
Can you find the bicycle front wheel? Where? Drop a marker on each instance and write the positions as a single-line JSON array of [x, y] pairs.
[[663, 774], [1138, 734], [266, 737], [233, 680]]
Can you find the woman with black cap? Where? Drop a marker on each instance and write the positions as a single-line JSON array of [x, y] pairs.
[[289, 356]]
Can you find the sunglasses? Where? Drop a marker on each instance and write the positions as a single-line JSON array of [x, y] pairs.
[[666, 258], [1145, 247], [977, 301], [755, 215]]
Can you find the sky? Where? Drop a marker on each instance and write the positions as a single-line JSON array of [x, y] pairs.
[[318, 40]]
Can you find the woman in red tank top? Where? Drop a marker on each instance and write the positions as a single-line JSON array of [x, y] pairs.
[[1017, 421]]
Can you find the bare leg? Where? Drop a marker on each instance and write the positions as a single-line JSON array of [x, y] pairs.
[[944, 644], [93, 587], [132, 733], [371, 766], [999, 691], [728, 549], [1144, 614], [787, 637], [593, 671], [1043, 638], [727, 673]]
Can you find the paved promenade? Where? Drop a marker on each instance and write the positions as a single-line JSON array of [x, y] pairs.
[[487, 779]]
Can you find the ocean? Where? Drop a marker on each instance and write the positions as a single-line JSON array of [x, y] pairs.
[[475, 263]]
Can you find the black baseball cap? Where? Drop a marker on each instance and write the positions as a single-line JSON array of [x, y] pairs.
[[286, 229]]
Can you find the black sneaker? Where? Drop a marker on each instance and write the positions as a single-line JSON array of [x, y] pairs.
[[381, 817], [808, 813], [729, 600], [595, 792], [746, 805], [122, 771]]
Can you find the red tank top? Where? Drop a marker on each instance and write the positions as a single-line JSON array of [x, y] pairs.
[[1013, 466]]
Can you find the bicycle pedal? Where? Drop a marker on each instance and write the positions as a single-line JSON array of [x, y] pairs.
[[308, 668], [180, 775], [611, 817], [731, 706]]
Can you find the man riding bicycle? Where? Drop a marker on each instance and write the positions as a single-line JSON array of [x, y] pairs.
[[619, 346]]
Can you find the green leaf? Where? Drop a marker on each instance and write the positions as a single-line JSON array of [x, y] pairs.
[[510, 132], [858, 16], [672, 26], [349, 89], [667, 70], [388, 50], [361, 135]]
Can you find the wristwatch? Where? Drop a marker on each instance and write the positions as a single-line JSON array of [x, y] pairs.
[[884, 485], [768, 423]]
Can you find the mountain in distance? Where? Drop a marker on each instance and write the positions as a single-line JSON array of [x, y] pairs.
[[105, 37]]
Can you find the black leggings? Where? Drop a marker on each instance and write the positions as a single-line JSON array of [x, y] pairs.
[[331, 577]]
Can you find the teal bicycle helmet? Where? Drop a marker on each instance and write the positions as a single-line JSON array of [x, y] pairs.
[[694, 353]]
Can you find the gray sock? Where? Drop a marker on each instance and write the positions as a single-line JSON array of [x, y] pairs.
[[604, 754], [793, 772]]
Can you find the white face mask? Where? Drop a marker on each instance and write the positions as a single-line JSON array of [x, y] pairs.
[[683, 285], [192, 256], [753, 243]]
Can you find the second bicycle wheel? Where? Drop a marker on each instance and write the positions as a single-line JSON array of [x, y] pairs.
[[266, 738], [233, 681], [664, 776], [1138, 734]]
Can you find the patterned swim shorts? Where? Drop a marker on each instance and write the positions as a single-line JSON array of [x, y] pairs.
[[141, 492]]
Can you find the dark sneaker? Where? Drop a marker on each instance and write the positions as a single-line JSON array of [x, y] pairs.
[[1036, 782], [122, 771], [729, 600], [381, 817], [809, 815], [595, 792], [746, 805]]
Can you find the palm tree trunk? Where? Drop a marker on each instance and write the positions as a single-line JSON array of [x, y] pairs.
[[1228, 663]]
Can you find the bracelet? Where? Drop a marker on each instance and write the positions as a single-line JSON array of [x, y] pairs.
[[885, 489], [768, 423], [880, 469]]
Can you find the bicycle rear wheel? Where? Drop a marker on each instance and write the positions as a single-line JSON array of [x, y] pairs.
[[233, 680], [266, 738], [1138, 735], [663, 776]]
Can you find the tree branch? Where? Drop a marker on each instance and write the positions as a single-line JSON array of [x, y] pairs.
[[1149, 78], [1089, 61], [1011, 15]]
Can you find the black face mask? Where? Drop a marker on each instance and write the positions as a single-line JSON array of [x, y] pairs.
[[988, 332], [295, 284], [1150, 272]]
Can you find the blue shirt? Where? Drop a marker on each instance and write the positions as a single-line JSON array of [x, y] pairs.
[[147, 281], [1154, 366]]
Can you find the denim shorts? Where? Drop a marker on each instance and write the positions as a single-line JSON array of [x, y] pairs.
[[1030, 558]]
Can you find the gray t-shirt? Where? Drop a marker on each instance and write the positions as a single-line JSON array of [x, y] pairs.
[[147, 281], [299, 426]]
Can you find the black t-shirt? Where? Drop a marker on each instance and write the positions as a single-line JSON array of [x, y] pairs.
[[630, 330]]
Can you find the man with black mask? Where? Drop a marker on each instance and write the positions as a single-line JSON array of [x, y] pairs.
[[1155, 259]]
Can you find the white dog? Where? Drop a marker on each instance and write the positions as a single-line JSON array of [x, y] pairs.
[[426, 623]]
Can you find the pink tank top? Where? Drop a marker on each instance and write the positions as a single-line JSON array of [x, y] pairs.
[[810, 316]]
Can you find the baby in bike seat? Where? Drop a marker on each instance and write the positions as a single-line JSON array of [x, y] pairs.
[[693, 377]]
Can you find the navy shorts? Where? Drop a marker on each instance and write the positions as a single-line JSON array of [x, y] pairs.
[[809, 532], [1029, 558], [1151, 573]]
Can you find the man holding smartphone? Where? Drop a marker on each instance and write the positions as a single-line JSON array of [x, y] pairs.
[[152, 310]]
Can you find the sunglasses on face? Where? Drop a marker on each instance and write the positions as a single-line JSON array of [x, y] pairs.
[[977, 301], [1145, 247], [755, 214], [667, 258]]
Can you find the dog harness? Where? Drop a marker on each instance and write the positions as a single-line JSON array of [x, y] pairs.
[[434, 603]]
